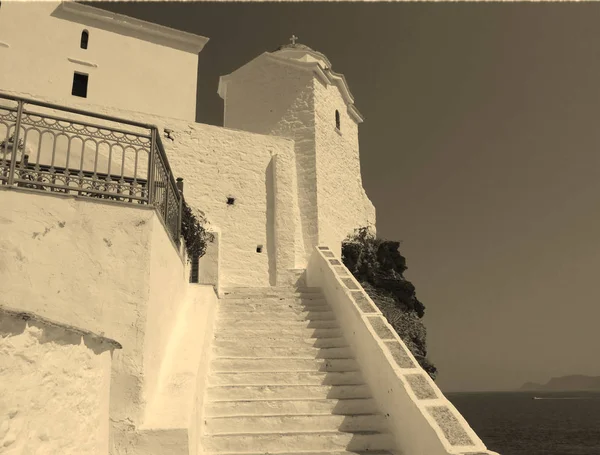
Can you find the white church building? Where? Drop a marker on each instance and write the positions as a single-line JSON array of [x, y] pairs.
[[106, 347]]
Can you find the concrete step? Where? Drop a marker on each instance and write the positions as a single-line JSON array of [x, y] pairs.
[[277, 342], [290, 407], [272, 296], [253, 306], [273, 315], [297, 441], [287, 377], [274, 365], [264, 424], [286, 392], [335, 452], [274, 301], [241, 350], [280, 332], [268, 289], [268, 323]]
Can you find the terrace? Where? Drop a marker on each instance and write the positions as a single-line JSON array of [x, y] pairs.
[[50, 148]]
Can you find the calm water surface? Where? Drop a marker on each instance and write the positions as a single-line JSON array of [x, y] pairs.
[[513, 423]]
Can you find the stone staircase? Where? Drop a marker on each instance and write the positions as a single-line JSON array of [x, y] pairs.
[[283, 380]]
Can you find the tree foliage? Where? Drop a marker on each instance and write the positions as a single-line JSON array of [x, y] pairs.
[[378, 265], [193, 231]]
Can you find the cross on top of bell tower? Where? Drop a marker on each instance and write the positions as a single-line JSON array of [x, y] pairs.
[[293, 39]]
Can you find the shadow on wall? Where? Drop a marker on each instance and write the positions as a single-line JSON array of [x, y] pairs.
[[270, 192], [14, 323]]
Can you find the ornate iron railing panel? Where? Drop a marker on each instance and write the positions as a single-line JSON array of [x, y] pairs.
[[52, 148]]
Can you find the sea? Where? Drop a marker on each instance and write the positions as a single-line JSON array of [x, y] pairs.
[[533, 423]]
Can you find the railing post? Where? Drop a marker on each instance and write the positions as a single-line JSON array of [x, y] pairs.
[[180, 188], [151, 165], [15, 147]]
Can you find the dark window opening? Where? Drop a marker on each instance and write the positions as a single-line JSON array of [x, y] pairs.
[[80, 85], [337, 119], [85, 36], [230, 201], [259, 249]]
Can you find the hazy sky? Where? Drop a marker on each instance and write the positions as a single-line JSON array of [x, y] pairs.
[[480, 151]]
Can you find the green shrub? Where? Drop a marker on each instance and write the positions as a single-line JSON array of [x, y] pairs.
[[195, 235]]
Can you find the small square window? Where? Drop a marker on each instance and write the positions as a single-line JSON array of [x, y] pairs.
[[80, 85]]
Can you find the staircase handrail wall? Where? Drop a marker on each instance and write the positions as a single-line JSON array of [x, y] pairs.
[[421, 419]]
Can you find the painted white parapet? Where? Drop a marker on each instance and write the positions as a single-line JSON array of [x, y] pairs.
[[109, 268], [421, 419]]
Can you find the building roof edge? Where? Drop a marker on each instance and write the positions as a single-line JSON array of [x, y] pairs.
[[190, 40]]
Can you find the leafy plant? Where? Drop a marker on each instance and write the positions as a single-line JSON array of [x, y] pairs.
[[192, 229], [378, 265]]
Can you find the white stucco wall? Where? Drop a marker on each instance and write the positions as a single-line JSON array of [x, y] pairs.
[[90, 264], [81, 263], [209, 265], [271, 97], [217, 163], [342, 202], [168, 284], [127, 69], [54, 389], [268, 97], [173, 415]]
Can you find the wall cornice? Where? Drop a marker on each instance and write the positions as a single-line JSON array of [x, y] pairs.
[[188, 41]]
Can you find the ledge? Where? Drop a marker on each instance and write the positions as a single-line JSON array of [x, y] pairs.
[[27, 316], [3, 44], [82, 62]]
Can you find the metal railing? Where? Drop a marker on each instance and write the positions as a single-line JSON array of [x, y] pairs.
[[53, 148]]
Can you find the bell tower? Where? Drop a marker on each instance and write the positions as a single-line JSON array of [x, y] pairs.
[[293, 93]]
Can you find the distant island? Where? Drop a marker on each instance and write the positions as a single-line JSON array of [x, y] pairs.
[[574, 383]]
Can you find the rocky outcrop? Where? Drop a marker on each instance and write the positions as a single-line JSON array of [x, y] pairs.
[[565, 383]]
